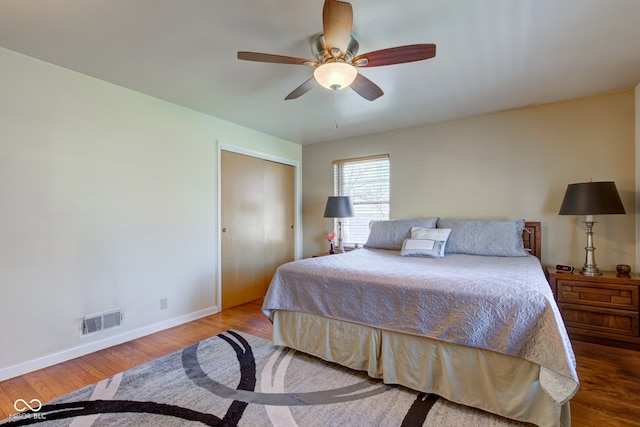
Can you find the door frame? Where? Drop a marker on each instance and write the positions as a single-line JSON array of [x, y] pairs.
[[297, 202]]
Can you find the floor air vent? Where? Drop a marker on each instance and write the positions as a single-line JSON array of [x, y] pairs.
[[101, 322]]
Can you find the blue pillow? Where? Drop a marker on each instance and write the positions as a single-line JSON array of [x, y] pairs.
[[490, 238], [391, 234]]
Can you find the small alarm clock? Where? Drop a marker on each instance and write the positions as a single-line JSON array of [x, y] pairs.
[[564, 268]]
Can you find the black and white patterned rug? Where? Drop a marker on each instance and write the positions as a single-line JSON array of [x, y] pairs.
[[235, 379]]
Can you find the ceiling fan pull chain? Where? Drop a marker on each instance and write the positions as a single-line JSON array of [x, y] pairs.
[[335, 110]]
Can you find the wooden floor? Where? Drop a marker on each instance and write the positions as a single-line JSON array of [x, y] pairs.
[[610, 377]]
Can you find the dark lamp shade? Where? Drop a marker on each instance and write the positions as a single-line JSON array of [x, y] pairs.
[[339, 207], [592, 198]]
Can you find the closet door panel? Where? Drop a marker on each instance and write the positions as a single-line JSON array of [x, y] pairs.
[[242, 222], [279, 217]]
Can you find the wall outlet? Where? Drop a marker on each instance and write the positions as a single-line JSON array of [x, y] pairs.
[[164, 303]]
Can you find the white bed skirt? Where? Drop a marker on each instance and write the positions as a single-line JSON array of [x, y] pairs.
[[486, 380]]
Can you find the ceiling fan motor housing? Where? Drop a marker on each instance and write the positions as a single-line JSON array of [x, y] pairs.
[[322, 54]]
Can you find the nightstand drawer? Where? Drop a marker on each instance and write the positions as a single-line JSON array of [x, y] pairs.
[[615, 321], [609, 295]]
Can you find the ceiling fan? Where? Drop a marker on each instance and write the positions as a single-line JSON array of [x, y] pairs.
[[336, 64]]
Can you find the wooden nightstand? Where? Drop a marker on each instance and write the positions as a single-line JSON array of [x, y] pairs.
[[603, 309]]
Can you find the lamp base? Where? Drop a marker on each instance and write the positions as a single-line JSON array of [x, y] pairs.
[[340, 248], [589, 268], [590, 271]]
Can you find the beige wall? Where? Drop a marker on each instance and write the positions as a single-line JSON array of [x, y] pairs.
[[512, 164], [637, 96], [108, 199]]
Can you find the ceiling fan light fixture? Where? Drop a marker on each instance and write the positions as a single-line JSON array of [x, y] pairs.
[[335, 75]]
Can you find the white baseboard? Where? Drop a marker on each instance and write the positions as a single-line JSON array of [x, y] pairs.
[[81, 350]]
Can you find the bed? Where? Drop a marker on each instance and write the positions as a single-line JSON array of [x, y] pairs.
[[472, 320]]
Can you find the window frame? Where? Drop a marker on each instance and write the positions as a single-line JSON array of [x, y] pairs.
[[382, 204]]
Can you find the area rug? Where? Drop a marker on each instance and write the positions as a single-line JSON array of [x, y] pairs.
[[235, 379]]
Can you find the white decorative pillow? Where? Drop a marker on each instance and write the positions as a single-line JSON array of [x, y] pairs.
[[391, 234], [436, 234], [489, 238], [422, 247]]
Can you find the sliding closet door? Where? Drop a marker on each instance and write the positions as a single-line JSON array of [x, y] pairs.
[[257, 211], [242, 202], [278, 217]]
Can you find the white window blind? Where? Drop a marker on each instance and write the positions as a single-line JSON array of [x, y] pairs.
[[366, 180]]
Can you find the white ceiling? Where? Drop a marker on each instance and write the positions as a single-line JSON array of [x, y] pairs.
[[491, 55]]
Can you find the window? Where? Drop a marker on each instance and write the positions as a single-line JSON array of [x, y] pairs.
[[366, 180]]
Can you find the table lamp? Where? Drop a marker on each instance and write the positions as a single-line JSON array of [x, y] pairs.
[[339, 207], [591, 198]]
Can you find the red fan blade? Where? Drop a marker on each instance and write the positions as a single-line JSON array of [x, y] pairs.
[[277, 59], [396, 55], [302, 89], [337, 20], [366, 88]]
